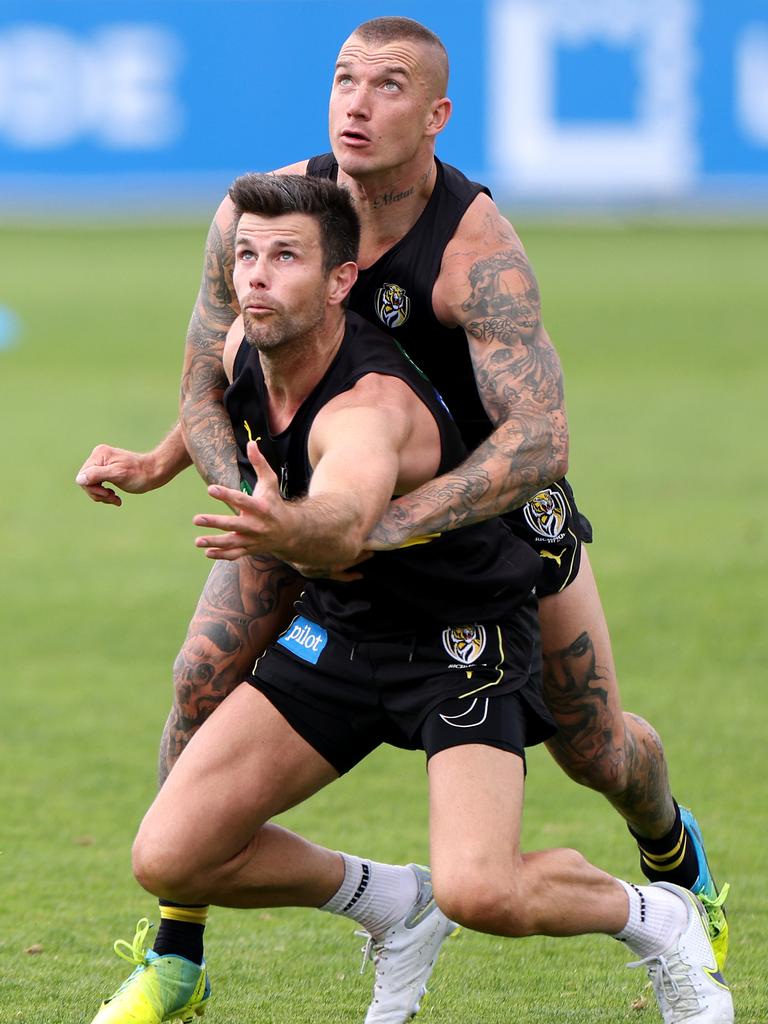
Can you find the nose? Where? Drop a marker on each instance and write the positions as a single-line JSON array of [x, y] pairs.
[[359, 104], [258, 272]]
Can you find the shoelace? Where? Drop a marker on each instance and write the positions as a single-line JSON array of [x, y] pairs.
[[134, 952], [368, 950], [662, 974], [711, 903]]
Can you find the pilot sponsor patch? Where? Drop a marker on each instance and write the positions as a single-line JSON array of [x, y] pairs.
[[305, 639]]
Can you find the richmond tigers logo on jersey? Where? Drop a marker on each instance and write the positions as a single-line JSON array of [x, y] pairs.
[[392, 305], [464, 643], [545, 513]]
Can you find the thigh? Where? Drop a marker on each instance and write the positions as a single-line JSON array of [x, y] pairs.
[[579, 678], [475, 811], [243, 766]]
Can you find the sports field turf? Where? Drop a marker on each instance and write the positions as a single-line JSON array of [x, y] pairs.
[[662, 331]]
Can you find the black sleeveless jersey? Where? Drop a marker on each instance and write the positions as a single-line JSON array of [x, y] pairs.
[[396, 292], [479, 572]]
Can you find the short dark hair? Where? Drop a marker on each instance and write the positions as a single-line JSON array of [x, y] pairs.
[[380, 31], [273, 195]]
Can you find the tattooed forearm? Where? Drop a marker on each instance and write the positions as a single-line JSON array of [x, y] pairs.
[[442, 504], [207, 430], [521, 377], [481, 487]]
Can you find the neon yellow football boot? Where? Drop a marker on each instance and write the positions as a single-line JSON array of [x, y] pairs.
[[161, 989]]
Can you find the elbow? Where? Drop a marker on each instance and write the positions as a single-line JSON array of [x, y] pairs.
[[558, 447], [348, 548], [560, 464]]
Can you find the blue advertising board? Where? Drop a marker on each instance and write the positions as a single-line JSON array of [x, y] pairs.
[[157, 100]]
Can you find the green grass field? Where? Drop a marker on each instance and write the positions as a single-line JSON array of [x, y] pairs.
[[662, 332]]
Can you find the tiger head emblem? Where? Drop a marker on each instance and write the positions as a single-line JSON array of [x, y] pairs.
[[464, 643], [545, 513], [392, 305]]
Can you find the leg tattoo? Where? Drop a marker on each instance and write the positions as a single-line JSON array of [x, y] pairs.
[[619, 755]]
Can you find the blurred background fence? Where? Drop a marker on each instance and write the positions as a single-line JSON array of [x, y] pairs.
[[118, 105]]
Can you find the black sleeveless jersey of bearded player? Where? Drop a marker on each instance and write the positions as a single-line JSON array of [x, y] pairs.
[[477, 573]]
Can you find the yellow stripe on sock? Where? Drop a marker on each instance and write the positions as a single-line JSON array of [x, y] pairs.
[[655, 862], [195, 915], [658, 858]]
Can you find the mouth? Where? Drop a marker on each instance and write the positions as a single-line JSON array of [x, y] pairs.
[[354, 138]]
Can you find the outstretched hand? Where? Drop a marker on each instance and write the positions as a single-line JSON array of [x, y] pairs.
[[262, 522], [132, 472]]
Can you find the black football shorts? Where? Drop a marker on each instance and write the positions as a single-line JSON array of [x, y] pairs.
[[463, 683], [552, 525]]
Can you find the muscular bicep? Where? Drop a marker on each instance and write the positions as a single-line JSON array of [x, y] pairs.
[[491, 291], [356, 457]]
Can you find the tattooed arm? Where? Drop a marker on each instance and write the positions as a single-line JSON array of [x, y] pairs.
[[204, 422], [486, 286]]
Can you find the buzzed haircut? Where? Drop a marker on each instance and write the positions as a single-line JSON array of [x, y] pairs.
[[379, 31], [274, 195]]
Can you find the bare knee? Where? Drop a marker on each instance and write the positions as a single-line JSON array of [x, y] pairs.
[[161, 868], [485, 901], [170, 867]]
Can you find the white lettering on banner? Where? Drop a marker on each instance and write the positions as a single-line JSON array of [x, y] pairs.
[[535, 152], [752, 83], [116, 88]]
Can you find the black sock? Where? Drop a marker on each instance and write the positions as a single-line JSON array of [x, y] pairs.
[[180, 937], [671, 858]]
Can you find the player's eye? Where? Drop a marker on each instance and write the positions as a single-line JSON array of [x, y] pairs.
[[286, 256], [344, 80], [245, 254], [391, 85]]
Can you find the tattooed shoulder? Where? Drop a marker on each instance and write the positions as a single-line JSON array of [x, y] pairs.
[[217, 306]]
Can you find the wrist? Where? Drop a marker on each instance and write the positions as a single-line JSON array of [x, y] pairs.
[[165, 462]]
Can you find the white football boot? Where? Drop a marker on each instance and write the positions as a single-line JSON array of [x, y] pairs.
[[688, 985], [405, 956]]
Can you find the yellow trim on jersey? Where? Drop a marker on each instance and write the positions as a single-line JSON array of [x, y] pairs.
[[424, 539]]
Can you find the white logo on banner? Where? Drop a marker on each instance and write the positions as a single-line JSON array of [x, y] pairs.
[[752, 83], [533, 151], [116, 87]]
